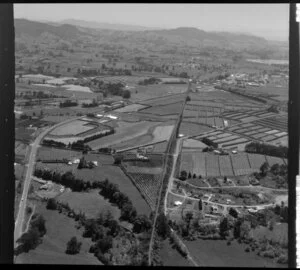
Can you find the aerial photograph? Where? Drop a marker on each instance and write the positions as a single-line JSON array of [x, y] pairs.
[[151, 134]]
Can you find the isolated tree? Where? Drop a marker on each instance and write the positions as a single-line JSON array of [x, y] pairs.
[[73, 246], [51, 204], [126, 94], [183, 175], [141, 223], [188, 99], [223, 228], [194, 175], [264, 168], [200, 205], [225, 179], [162, 226], [233, 212], [190, 175], [82, 163]]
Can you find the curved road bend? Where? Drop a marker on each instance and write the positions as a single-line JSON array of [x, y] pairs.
[[31, 162]]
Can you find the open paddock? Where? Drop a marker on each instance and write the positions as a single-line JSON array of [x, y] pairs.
[[256, 160], [90, 203], [131, 108], [72, 128], [147, 92], [192, 129], [212, 165], [123, 133], [168, 109], [105, 170], [225, 166]]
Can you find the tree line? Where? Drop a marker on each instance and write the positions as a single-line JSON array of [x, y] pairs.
[[267, 149]]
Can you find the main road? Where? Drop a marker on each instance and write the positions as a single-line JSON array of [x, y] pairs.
[[172, 139], [30, 166]]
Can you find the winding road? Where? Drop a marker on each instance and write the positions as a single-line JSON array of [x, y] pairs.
[[30, 166]]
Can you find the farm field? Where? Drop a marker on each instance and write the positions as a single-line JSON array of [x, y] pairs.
[[216, 253], [104, 170], [168, 99], [73, 128], [149, 185], [157, 90], [91, 203], [197, 182], [192, 143], [123, 133], [225, 166], [240, 164], [211, 165], [171, 257], [60, 229], [131, 108], [155, 134], [192, 129], [168, 109]]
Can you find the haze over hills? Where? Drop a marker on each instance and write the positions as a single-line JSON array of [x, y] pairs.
[[103, 25], [182, 38]]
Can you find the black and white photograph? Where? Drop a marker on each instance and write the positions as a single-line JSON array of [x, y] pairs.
[[151, 134]]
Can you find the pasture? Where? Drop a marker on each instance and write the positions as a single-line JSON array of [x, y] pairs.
[[192, 129], [90, 203], [104, 170], [216, 253], [72, 128], [60, 229], [124, 132]]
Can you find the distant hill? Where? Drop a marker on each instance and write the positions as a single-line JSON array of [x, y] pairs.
[[35, 29], [162, 40], [110, 26]]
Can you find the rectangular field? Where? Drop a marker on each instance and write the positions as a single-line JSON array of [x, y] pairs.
[[199, 161], [240, 164], [212, 165], [256, 160], [225, 166]]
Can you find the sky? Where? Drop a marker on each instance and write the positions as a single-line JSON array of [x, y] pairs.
[[268, 20]]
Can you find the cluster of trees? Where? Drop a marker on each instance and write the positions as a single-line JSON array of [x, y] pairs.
[[151, 80], [209, 142], [73, 246], [85, 164], [53, 143], [112, 192], [68, 103], [66, 179], [36, 95], [184, 175], [32, 238], [267, 149]]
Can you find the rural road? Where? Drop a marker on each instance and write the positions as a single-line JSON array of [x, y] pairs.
[[30, 166], [172, 137]]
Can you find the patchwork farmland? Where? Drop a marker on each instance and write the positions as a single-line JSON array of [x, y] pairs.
[[212, 165]]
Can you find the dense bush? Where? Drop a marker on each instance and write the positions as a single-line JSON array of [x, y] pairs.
[[267, 149], [73, 246]]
